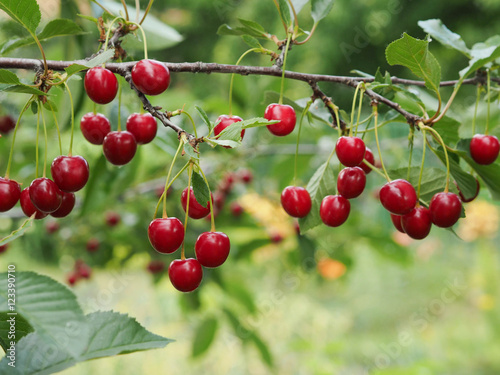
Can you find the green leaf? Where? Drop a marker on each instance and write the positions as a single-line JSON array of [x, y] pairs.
[[19, 231], [238, 290], [204, 336], [228, 30], [25, 12], [256, 122], [299, 4], [231, 133], [285, 12], [436, 29], [216, 142], [263, 349], [57, 27], [414, 54], [320, 9], [189, 151], [482, 54], [321, 184], [96, 61], [254, 28], [22, 328], [200, 189], [23, 89], [205, 119], [447, 128], [251, 41], [6, 76]]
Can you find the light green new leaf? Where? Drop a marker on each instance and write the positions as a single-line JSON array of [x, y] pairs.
[[231, 133], [6, 76], [251, 41], [299, 4], [204, 336], [256, 122], [285, 12], [189, 151], [222, 142], [225, 29], [19, 231], [200, 189], [25, 12], [414, 54], [436, 29], [96, 61], [205, 118], [482, 54], [257, 29], [24, 89], [320, 9]]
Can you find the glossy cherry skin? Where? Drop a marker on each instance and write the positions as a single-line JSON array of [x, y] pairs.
[[397, 222], [119, 147], [351, 182], [70, 173], [10, 192], [417, 224], [286, 115], [101, 85], [7, 124], [212, 249], [484, 149], [45, 194], [196, 210], [350, 151], [27, 205], [296, 201], [398, 197], [67, 205], [95, 127], [469, 199], [150, 77], [185, 274], [223, 122], [166, 235], [445, 209], [143, 127], [334, 210], [370, 159]]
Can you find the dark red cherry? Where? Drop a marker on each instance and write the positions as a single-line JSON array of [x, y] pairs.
[[276, 237], [93, 245], [223, 122], [196, 210], [45, 194], [3, 248], [150, 77], [212, 249], [67, 204], [370, 159], [10, 192], [286, 115], [398, 197], [7, 124], [185, 274], [143, 127], [95, 127], [166, 235], [27, 206], [445, 209], [468, 199], [351, 182], [70, 173], [484, 149], [334, 210], [417, 224], [296, 201], [156, 266], [51, 227], [101, 85], [236, 209], [397, 222], [119, 147], [350, 151], [73, 277], [112, 218], [246, 176]]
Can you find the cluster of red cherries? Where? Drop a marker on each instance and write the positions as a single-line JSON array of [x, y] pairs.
[[80, 271]]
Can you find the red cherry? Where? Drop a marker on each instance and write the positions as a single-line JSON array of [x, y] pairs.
[[350, 151], [484, 149], [445, 209], [156, 266], [83, 270], [45, 194], [370, 159], [351, 182], [296, 201], [73, 277], [223, 122], [101, 85], [10, 192], [196, 210], [70, 173], [119, 147], [397, 222], [276, 238], [417, 224], [212, 249], [470, 199], [143, 127], [398, 197], [112, 218], [93, 245], [3, 248], [67, 204], [95, 127], [236, 209], [286, 115], [7, 124], [246, 176], [27, 205], [166, 235], [150, 77], [185, 274], [52, 227], [334, 210]]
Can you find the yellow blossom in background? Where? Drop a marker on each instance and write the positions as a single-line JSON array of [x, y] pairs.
[[481, 220]]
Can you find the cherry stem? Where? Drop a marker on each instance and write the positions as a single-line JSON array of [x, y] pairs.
[[45, 151], [125, 8], [435, 119], [359, 110], [164, 195], [212, 216], [57, 126], [421, 166], [354, 107], [411, 139], [190, 173], [336, 111], [147, 11], [37, 137], [143, 37], [167, 187], [119, 106], [232, 79], [108, 33], [296, 19], [283, 68], [306, 109], [441, 142], [137, 10], [95, 108], [9, 163], [375, 114], [72, 119], [478, 96], [374, 168], [45, 67], [192, 122], [309, 36], [488, 111]]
